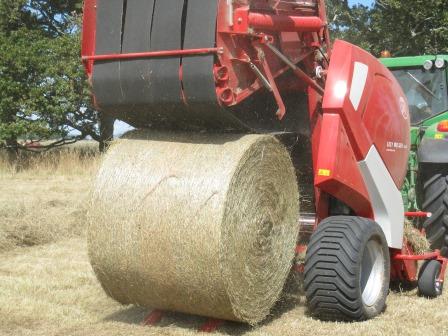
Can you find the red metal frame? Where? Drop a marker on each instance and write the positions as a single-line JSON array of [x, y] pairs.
[[426, 256], [270, 77], [211, 325], [238, 27], [154, 317], [244, 19], [420, 214], [404, 262], [88, 33]]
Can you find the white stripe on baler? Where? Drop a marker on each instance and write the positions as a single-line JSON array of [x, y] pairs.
[[387, 203], [359, 80]]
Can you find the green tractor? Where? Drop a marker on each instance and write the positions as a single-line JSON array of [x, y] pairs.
[[425, 80]]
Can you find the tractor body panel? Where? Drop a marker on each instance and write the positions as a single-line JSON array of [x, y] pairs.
[[433, 151], [427, 93], [409, 61]]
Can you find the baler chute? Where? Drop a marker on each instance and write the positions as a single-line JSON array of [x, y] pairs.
[[267, 67]]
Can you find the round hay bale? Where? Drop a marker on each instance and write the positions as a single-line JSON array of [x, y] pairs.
[[201, 224]]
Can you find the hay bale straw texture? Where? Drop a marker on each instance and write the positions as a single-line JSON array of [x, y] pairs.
[[196, 223], [415, 238]]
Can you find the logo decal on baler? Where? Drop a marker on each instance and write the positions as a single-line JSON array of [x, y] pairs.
[[359, 80], [392, 146]]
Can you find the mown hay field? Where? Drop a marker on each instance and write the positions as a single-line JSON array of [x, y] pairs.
[[47, 286]]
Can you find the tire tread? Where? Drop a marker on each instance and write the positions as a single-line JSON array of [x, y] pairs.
[[331, 267], [436, 201]]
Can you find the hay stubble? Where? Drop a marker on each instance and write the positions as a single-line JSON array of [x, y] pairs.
[[51, 289]]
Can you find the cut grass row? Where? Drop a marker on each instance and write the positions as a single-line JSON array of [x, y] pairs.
[[43, 196], [51, 290]]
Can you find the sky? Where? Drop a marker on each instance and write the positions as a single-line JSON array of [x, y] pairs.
[[363, 2]]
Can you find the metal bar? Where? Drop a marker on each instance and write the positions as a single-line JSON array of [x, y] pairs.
[[88, 32], [426, 256], [307, 223], [418, 214], [441, 278], [307, 220], [151, 54], [285, 23], [323, 16], [278, 98], [260, 76], [297, 71], [230, 12]]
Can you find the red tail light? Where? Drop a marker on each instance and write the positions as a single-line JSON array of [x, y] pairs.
[[443, 126]]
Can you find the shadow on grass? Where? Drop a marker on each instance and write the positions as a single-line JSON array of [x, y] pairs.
[[292, 297]]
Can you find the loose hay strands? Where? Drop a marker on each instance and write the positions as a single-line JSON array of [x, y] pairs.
[[202, 224], [417, 240]]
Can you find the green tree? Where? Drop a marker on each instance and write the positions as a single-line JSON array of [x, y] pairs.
[[43, 90], [411, 27], [349, 23]]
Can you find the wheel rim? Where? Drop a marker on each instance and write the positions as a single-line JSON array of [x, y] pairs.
[[372, 272], [437, 284]]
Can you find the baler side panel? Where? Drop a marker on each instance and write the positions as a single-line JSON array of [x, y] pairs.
[[386, 199], [386, 128], [364, 105], [337, 171], [337, 95]]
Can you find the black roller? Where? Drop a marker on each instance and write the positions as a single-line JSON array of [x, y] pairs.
[[135, 75], [106, 74], [200, 32], [166, 35], [147, 92]]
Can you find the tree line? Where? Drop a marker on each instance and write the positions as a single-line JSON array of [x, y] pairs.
[[44, 94]]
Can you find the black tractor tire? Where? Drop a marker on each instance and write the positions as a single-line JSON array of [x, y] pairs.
[[436, 201], [344, 253], [428, 284]]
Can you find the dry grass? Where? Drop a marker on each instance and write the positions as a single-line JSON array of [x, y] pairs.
[[43, 197], [78, 159], [51, 290]]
